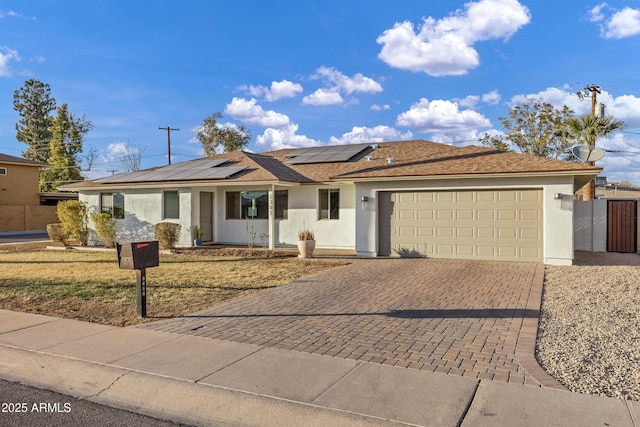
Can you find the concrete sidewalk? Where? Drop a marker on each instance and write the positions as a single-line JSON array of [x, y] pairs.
[[203, 381]]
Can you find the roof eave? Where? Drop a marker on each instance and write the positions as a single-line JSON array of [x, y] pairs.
[[176, 184], [586, 173]]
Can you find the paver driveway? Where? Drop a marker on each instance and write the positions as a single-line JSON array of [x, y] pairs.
[[458, 317]]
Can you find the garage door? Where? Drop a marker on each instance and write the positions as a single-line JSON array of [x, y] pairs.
[[488, 224]]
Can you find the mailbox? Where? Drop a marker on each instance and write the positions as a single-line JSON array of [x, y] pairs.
[[138, 255]]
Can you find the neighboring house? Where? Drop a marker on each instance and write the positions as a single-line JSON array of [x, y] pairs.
[[20, 198], [408, 198]]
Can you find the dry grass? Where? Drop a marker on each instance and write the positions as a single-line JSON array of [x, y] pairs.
[[89, 286]]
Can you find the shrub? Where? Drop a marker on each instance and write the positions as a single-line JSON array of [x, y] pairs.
[[57, 233], [167, 234], [74, 219], [105, 228]]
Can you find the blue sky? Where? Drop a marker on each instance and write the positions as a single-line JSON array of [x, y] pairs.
[[300, 73]]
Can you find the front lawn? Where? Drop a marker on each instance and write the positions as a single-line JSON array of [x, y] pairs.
[[89, 286]]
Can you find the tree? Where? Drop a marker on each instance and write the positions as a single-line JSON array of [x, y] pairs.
[[34, 104], [213, 135], [535, 128], [131, 158], [587, 130], [67, 134]]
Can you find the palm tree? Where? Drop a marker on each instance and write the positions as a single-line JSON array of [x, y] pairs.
[[588, 129]]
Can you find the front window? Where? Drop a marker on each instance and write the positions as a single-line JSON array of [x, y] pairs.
[[112, 203], [282, 204], [3, 171], [329, 204], [171, 205], [255, 204]]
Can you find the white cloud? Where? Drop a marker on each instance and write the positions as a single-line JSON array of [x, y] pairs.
[[337, 84], [445, 46], [360, 134], [348, 85], [10, 13], [595, 14], [248, 111], [323, 97], [7, 55], [470, 101], [275, 139], [283, 89], [625, 23], [441, 117], [115, 150], [278, 90], [376, 107], [491, 98]]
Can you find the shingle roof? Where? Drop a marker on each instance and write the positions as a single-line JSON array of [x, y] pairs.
[[423, 158], [5, 158], [410, 159]]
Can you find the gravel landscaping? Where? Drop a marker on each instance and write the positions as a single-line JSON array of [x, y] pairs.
[[589, 331]]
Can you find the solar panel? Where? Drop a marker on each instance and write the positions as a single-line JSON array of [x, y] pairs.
[[328, 154], [191, 170]]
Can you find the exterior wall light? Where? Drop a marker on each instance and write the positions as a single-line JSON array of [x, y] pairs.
[[364, 202]]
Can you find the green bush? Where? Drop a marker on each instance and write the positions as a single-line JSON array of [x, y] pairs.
[[105, 226], [168, 234], [57, 233], [74, 219]]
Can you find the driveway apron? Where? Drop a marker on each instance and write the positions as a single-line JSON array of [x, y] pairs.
[[468, 318]]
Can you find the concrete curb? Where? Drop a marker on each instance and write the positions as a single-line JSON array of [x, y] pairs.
[[168, 398]]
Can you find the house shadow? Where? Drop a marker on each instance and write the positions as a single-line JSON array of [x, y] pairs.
[[472, 313], [133, 229]]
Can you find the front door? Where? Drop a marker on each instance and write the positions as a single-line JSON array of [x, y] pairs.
[[206, 215]]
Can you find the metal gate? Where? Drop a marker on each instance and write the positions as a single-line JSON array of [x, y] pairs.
[[621, 225]]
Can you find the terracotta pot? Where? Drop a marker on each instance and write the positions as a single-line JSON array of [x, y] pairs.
[[305, 248]]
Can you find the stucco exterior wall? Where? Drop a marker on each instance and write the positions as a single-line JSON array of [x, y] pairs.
[[20, 186], [357, 227], [143, 210], [303, 213], [558, 216]]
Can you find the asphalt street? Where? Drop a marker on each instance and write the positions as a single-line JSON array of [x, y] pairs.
[[21, 405], [10, 238]]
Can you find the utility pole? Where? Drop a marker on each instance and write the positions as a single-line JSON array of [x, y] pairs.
[[168, 129], [589, 190], [592, 91]]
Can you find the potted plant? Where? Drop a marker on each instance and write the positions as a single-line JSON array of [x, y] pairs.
[[197, 235], [306, 243]]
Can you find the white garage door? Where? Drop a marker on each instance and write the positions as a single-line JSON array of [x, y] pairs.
[[488, 224]]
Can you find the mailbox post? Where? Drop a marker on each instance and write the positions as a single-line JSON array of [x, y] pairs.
[[139, 256]]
